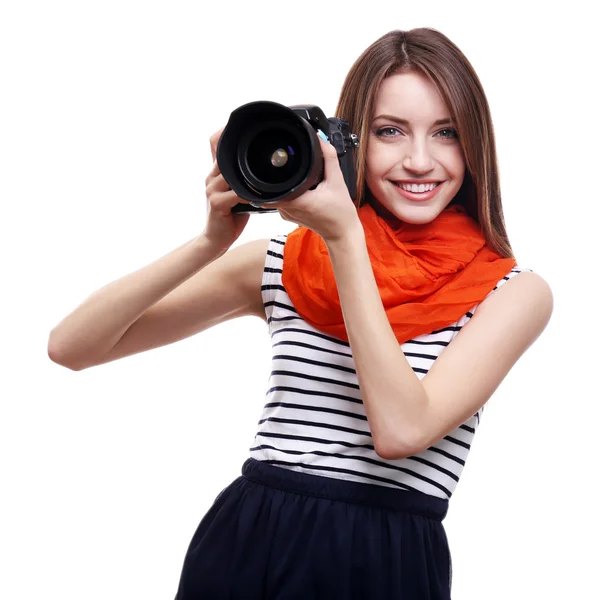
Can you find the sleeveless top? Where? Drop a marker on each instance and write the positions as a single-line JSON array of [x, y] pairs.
[[314, 420]]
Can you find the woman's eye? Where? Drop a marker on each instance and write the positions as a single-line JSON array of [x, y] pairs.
[[448, 133], [387, 131]]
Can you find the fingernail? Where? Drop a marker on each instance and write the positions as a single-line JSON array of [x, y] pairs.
[[322, 135]]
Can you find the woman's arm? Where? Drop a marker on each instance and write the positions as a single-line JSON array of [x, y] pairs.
[[407, 415], [192, 288]]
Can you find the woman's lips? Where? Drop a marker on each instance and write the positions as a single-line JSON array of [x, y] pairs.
[[418, 196]]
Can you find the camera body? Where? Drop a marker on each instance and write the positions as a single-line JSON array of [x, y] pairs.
[[269, 152]]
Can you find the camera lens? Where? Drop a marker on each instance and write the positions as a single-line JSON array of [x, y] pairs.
[[280, 157], [270, 152], [272, 156]]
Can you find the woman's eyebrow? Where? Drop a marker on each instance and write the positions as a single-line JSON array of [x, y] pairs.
[[445, 121]]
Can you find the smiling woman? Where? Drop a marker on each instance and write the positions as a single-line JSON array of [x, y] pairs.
[[388, 325], [388, 340], [415, 163], [420, 106]]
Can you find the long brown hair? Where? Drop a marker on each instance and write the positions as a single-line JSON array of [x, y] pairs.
[[431, 53]]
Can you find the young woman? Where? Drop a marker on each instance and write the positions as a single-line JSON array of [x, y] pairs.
[[393, 321]]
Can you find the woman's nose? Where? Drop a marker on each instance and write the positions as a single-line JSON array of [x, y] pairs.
[[417, 158]]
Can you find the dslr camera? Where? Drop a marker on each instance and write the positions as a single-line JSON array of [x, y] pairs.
[[270, 152]]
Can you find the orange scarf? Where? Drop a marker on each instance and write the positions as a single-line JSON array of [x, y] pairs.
[[428, 275]]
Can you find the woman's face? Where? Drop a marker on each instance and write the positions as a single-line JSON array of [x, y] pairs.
[[415, 165]]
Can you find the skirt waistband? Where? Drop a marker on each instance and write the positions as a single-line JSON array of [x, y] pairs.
[[376, 496]]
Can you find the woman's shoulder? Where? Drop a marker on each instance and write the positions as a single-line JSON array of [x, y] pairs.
[[527, 280], [516, 270], [521, 295]]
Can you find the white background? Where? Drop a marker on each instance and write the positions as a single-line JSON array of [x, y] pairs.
[[105, 113]]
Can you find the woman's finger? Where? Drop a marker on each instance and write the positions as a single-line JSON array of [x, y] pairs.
[[217, 185], [214, 171], [332, 163], [215, 177], [214, 142]]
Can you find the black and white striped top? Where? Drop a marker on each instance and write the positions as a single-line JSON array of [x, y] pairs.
[[314, 420]]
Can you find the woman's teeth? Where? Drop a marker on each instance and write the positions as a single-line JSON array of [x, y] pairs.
[[416, 187]]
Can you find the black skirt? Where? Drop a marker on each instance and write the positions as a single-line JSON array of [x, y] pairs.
[[277, 534]]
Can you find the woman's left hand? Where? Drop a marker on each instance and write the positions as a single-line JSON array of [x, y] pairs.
[[327, 210]]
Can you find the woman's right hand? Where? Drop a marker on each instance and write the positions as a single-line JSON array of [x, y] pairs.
[[222, 226]]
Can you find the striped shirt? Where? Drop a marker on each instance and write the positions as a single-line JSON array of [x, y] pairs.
[[314, 420]]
